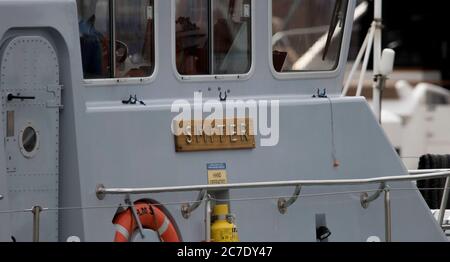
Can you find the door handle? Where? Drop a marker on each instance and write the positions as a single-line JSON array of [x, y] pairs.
[[11, 97]]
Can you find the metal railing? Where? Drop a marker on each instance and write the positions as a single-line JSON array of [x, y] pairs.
[[283, 204], [102, 191]]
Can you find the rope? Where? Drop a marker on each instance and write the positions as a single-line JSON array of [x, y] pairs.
[[333, 142], [54, 209]]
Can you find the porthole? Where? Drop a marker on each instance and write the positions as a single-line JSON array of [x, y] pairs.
[[29, 141]]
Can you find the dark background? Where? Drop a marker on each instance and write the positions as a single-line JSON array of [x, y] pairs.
[[417, 30]]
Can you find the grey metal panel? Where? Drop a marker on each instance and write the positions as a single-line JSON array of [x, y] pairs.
[[304, 152], [5, 232], [56, 20], [29, 67]]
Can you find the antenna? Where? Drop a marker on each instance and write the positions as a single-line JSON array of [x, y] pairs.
[[382, 64]]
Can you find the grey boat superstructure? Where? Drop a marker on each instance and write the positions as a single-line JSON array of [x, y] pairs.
[[64, 135]]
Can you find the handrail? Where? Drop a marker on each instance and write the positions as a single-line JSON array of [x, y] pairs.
[[415, 175], [102, 191], [427, 171]]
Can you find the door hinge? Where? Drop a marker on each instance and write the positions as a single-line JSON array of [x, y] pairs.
[[10, 160], [56, 101]]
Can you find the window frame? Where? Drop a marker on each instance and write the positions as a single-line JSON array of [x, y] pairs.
[[314, 73], [100, 82], [212, 77]]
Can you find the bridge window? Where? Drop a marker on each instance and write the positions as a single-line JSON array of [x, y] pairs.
[[213, 37], [125, 26], [307, 34]]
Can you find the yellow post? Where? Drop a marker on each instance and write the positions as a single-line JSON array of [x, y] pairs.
[[223, 230]]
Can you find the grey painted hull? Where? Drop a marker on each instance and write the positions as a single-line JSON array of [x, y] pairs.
[[104, 141]]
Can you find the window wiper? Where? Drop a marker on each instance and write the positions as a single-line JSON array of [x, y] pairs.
[[335, 19]]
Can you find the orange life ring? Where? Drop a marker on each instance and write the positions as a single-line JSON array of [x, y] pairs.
[[151, 217]]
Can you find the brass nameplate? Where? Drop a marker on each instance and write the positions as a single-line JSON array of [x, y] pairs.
[[231, 134]]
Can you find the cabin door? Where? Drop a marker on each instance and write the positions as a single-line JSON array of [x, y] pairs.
[[31, 103]]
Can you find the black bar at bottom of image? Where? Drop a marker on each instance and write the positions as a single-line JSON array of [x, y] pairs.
[[216, 251]]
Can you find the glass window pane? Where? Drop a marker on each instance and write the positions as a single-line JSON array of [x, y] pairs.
[[134, 32], [192, 37], [307, 34], [94, 26], [232, 36], [213, 36]]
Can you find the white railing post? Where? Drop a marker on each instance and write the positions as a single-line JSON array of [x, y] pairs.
[[444, 202], [208, 218], [388, 214]]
